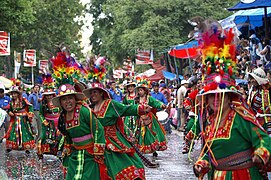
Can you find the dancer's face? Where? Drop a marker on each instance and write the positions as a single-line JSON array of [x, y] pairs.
[[96, 95], [15, 95], [141, 92], [68, 102], [215, 101], [49, 97], [131, 88]]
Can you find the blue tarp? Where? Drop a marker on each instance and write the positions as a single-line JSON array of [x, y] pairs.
[[253, 17], [240, 81], [252, 5], [171, 76]]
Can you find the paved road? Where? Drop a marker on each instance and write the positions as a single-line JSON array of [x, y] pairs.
[[16, 165]]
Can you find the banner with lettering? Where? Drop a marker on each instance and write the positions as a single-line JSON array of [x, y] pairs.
[[43, 66], [30, 58], [144, 57], [4, 43], [118, 73]]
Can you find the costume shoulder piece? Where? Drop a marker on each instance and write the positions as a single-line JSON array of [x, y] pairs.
[[242, 108]]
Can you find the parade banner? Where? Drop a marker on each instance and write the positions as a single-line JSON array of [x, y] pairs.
[[118, 73], [144, 57], [30, 58], [17, 63], [4, 43], [43, 66]]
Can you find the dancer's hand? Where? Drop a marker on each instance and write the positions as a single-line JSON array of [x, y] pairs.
[[11, 114], [257, 160]]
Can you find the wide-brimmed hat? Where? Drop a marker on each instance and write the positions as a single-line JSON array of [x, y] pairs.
[[80, 86], [64, 90], [143, 85], [48, 92], [184, 82], [259, 75], [130, 83], [15, 89], [217, 83], [98, 86], [48, 84]]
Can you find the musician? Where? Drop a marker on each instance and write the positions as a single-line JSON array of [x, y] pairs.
[[120, 157], [115, 92]]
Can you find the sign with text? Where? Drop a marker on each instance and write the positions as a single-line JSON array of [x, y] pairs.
[[43, 66], [144, 57], [4, 43], [30, 58]]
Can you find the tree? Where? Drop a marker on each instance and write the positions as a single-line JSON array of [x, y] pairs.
[[123, 26]]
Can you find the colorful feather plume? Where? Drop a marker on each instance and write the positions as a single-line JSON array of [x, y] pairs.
[[47, 81], [66, 70], [218, 53], [97, 70]]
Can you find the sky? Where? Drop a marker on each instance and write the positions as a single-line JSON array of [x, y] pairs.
[[87, 30]]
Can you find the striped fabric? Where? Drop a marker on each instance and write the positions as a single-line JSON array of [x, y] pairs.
[[80, 167]]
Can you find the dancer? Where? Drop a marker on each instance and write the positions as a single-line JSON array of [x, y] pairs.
[[121, 160], [227, 120], [49, 114], [152, 134], [130, 122], [20, 132], [83, 152]]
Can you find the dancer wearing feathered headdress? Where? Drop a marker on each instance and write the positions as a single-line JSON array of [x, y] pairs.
[[121, 159], [84, 144], [225, 118], [48, 114]]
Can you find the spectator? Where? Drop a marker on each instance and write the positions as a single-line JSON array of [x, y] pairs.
[[158, 95], [181, 93], [35, 99], [115, 92]]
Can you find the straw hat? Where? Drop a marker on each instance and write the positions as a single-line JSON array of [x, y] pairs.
[[259, 75], [15, 89], [64, 90], [98, 86]]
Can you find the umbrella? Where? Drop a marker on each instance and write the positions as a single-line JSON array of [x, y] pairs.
[[252, 4], [187, 50]]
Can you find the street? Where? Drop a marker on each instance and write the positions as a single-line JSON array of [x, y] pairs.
[[173, 164]]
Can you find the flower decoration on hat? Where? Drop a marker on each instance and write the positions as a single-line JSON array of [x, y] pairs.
[[47, 83], [143, 81], [96, 68], [218, 60], [66, 70]]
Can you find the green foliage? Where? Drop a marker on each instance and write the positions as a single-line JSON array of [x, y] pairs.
[[42, 25], [123, 26]]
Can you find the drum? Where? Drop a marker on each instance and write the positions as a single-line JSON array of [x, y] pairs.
[[162, 117], [3, 115]]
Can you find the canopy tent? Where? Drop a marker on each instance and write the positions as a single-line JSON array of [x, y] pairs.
[[252, 4], [171, 76], [7, 83], [251, 17], [183, 51]]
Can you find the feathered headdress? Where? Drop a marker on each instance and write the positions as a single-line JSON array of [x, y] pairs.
[[66, 70], [97, 70], [48, 84], [218, 60]]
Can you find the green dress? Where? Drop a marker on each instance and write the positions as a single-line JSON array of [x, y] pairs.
[[152, 137], [130, 122], [50, 135], [121, 160], [84, 145], [230, 156], [20, 135]]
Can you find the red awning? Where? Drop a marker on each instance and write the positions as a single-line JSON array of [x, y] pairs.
[[158, 74]]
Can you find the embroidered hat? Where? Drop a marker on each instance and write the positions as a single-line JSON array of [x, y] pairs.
[[64, 90], [100, 87], [259, 75], [15, 89]]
